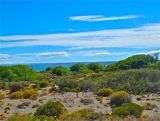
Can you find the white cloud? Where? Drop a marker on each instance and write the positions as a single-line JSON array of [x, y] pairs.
[[50, 54], [4, 56], [145, 36], [153, 52], [94, 18], [98, 54]]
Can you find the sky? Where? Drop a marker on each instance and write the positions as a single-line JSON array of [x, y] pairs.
[[60, 31]]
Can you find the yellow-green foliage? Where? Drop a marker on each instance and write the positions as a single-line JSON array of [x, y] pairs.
[[30, 93], [105, 92], [119, 97], [128, 109], [2, 95], [81, 115], [16, 95], [53, 109], [18, 117]]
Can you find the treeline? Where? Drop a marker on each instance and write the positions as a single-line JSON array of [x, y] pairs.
[[136, 74], [134, 62], [25, 73], [17, 73]]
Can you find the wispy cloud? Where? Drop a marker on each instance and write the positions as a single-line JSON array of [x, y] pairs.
[[4, 56], [98, 54], [145, 36], [94, 18], [50, 54], [153, 53]]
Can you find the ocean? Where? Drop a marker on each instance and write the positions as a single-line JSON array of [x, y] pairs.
[[43, 66]]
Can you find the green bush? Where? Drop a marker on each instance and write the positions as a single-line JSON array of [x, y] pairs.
[[104, 92], [16, 87], [54, 109], [68, 85], [30, 93], [81, 115], [128, 109], [134, 62], [43, 118], [60, 71], [96, 67], [43, 84], [119, 97], [16, 95], [3, 85], [18, 117], [17, 73], [79, 68], [135, 81]]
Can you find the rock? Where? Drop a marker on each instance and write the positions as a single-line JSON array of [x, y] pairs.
[[35, 105], [87, 101], [24, 105]]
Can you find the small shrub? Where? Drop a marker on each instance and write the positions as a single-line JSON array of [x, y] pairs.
[[18, 117], [42, 118], [96, 67], [105, 92], [82, 115], [99, 98], [30, 94], [2, 95], [16, 95], [60, 71], [128, 109], [3, 86], [54, 109], [149, 106], [24, 94], [43, 84], [119, 97], [16, 87], [35, 86]]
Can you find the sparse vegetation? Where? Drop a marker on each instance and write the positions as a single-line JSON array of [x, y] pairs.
[[135, 75]]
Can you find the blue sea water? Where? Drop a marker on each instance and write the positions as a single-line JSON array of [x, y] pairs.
[[43, 66]]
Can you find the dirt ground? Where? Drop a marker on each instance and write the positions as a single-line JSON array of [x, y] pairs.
[[73, 103]]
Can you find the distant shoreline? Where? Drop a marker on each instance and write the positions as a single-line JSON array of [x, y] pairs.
[[43, 66]]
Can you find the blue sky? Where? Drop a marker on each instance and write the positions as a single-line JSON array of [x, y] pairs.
[[51, 31]]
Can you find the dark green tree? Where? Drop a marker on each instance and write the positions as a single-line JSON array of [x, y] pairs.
[[79, 68], [61, 71], [134, 62], [96, 67]]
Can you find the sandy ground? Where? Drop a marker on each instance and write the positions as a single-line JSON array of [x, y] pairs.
[[72, 103]]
